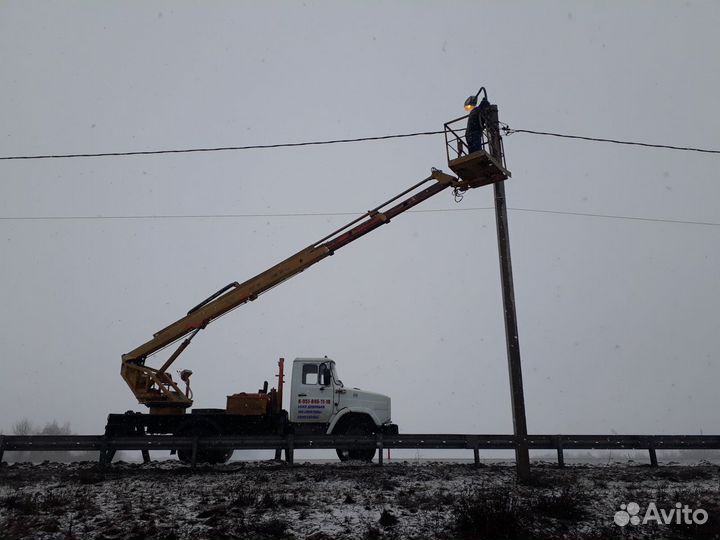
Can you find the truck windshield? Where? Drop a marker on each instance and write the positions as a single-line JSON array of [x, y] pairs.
[[335, 375]]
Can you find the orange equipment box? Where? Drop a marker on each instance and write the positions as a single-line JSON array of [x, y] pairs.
[[248, 404]]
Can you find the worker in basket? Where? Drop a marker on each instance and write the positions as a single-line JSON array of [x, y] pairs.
[[477, 121]]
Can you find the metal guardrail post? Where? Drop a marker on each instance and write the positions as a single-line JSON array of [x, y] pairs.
[[559, 447], [379, 445], [193, 457], [102, 458], [2, 447], [472, 442], [653, 455], [290, 449]]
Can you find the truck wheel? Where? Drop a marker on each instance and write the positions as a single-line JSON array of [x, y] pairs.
[[200, 429], [358, 426]]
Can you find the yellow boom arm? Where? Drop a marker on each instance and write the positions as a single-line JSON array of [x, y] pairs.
[[156, 389]]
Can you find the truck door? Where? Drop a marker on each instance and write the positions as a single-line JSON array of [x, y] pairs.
[[313, 391]]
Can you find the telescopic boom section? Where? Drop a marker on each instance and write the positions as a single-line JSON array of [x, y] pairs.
[[156, 389]]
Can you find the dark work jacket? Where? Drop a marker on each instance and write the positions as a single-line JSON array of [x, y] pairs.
[[473, 131], [475, 124]]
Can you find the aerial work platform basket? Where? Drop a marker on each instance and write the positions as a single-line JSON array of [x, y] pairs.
[[478, 168]]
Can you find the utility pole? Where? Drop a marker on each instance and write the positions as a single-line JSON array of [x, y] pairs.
[[517, 397]]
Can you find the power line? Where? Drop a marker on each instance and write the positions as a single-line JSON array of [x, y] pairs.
[[340, 214], [225, 148], [509, 131], [219, 216], [610, 216], [182, 216]]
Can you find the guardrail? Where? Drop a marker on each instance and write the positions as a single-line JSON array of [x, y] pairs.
[[289, 443]]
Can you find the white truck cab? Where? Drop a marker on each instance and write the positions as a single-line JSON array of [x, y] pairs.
[[320, 403]]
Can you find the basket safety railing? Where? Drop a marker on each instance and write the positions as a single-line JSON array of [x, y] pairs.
[[456, 145]]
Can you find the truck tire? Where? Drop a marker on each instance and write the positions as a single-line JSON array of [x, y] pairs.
[[200, 428], [359, 425]]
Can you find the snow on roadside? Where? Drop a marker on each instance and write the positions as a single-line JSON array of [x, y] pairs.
[[350, 500]]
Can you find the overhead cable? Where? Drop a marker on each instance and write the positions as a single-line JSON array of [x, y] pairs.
[[509, 131], [610, 216], [224, 148], [340, 214]]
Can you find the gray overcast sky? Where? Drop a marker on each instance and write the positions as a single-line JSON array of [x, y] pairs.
[[618, 319]]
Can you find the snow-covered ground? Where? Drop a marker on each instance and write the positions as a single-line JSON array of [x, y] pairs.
[[321, 501]]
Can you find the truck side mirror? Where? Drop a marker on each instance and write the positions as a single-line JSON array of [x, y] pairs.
[[325, 375]]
